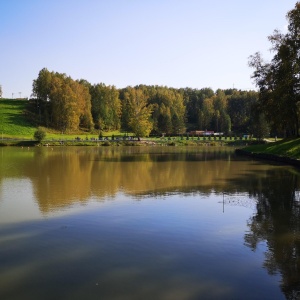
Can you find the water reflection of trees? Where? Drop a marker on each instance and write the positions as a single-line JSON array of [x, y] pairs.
[[277, 222], [62, 177]]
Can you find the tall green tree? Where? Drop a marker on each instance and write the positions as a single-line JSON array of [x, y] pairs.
[[193, 99], [221, 120], [279, 80], [207, 115], [169, 110], [240, 109], [41, 89], [259, 127], [41, 86], [138, 111], [83, 99], [106, 107], [61, 102], [63, 106]]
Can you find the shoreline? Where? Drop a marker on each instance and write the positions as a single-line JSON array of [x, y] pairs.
[[114, 143], [270, 157]]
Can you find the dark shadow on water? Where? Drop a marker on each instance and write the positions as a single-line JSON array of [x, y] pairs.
[[276, 222]]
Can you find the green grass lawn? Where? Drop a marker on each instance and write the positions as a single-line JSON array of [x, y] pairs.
[[285, 147], [12, 120]]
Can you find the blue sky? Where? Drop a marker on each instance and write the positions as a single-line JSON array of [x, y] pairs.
[[186, 43]]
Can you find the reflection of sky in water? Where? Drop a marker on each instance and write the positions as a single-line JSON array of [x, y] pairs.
[[17, 201], [167, 247], [80, 228]]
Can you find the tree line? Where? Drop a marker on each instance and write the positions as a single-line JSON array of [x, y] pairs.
[[279, 80], [67, 105]]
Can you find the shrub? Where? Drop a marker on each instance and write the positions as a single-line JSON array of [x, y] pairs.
[[171, 144], [39, 134]]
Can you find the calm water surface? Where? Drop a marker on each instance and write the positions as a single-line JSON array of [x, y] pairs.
[[147, 223]]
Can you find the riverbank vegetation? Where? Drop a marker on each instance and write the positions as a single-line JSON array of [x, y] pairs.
[[67, 105], [279, 81], [279, 92], [140, 111], [284, 148]]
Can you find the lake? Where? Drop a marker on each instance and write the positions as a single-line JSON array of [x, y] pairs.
[[147, 223]]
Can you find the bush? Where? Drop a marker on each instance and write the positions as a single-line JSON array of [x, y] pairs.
[[171, 144], [39, 134]]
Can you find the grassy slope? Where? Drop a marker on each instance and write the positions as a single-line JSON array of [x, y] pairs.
[[12, 120], [287, 147], [13, 123]]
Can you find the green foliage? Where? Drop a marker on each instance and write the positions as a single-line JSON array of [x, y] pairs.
[[40, 134], [106, 143], [106, 107], [13, 120], [138, 111], [285, 147], [169, 109], [61, 102], [67, 106], [193, 99], [279, 79], [240, 106], [260, 127]]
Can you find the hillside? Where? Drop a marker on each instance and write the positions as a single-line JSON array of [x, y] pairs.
[[284, 148], [286, 151], [12, 119]]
